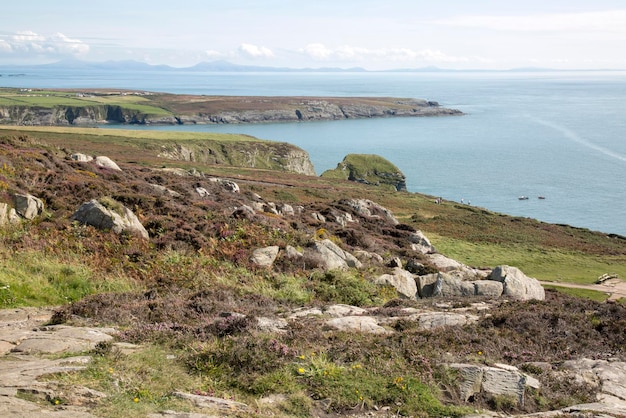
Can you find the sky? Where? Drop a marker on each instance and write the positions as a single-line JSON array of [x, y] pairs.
[[375, 35]]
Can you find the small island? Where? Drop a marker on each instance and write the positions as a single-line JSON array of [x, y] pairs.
[[85, 107]]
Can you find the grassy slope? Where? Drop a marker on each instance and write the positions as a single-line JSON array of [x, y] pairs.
[[196, 265]]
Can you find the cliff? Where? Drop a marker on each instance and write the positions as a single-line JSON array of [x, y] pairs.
[[74, 107], [277, 156]]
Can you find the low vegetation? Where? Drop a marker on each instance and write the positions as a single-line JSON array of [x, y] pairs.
[[189, 295]]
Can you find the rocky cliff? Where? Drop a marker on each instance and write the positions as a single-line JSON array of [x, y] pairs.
[[369, 169], [78, 115], [157, 108], [254, 154]]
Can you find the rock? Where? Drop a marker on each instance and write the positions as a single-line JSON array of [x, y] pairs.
[[7, 214], [344, 219], [430, 320], [292, 253], [165, 190], [277, 325], [318, 217], [365, 324], [81, 158], [366, 256], [106, 162], [426, 285], [470, 379], [63, 339], [368, 209], [420, 243], [97, 215], [211, 402], [27, 206], [228, 185], [243, 212], [505, 382], [330, 256], [340, 310], [265, 257], [443, 263], [401, 280], [608, 376], [488, 288], [502, 381], [285, 210], [449, 286], [202, 192], [517, 285]]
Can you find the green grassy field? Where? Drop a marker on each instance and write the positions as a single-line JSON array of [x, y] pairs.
[[51, 98]]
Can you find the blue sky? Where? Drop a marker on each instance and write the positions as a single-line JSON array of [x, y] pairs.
[[375, 35]]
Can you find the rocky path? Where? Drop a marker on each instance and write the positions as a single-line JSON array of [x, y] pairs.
[[615, 288]]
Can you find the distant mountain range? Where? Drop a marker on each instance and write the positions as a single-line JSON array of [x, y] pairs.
[[225, 66]]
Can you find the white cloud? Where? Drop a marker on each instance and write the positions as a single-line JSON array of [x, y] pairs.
[[27, 43], [605, 21], [255, 51], [27, 36]]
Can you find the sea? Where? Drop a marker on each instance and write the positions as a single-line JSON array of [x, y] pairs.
[[555, 137]]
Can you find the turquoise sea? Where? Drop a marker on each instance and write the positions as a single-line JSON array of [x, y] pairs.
[[559, 135]]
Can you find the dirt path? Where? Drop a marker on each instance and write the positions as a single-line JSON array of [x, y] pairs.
[[615, 288]]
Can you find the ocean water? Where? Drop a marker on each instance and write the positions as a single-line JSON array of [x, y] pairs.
[[560, 135]]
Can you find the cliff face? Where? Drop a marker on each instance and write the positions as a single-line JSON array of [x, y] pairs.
[[191, 110], [77, 115], [369, 169], [265, 155]]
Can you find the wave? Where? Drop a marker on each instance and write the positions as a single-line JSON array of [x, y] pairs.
[[573, 136]]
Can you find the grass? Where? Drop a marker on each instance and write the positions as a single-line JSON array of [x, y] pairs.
[[136, 384], [580, 293], [123, 134], [548, 264], [34, 279], [50, 99]]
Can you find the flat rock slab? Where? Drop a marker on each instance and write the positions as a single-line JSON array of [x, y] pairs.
[[22, 371], [62, 339], [19, 408]]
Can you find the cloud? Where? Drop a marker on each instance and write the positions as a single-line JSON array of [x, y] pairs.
[[604, 21], [27, 44], [255, 51], [320, 52]]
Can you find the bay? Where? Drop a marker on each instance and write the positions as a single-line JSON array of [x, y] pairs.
[[560, 135]]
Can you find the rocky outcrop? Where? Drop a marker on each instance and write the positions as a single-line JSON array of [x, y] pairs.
[[401, 280], [106, 162], [442, 284], [499, 380], [7, 214], [516, 285], [369, 169], [117, 219], [27, 206], [329, 256], [264, 257], [253, 154], [368, 209]]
